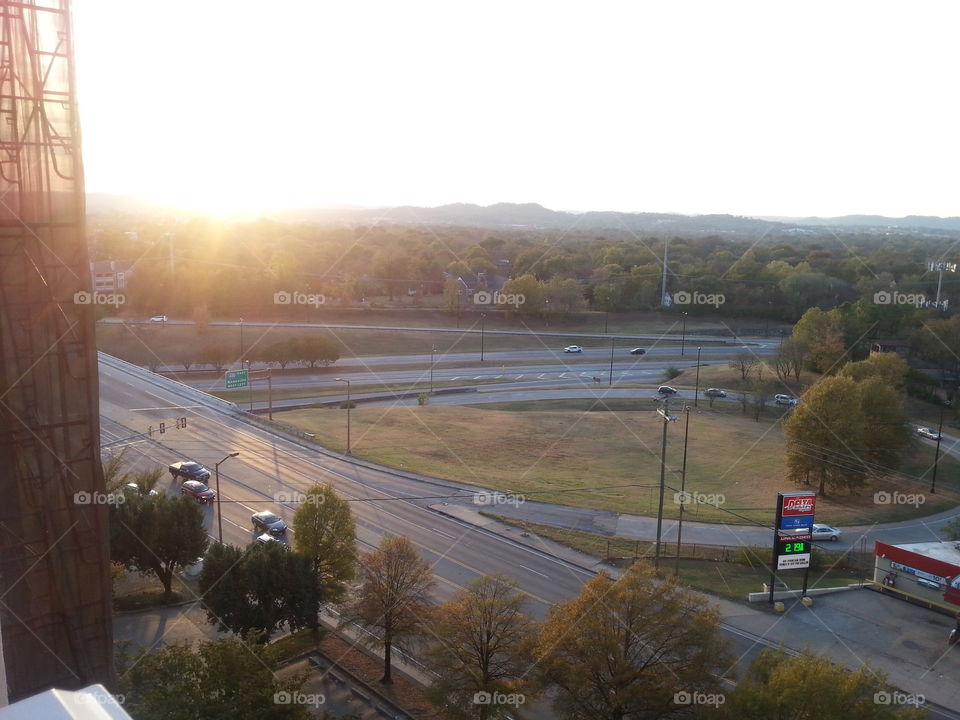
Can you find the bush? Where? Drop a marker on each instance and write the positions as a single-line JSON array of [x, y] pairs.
[[671, 372], [347, 405], [422, 398]]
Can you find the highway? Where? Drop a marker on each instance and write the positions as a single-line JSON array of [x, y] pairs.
[[272, 468]]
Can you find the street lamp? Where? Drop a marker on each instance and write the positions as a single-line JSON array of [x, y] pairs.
[[936, 457], [433, 349], [696, 389], [683, 332], [216, 472], [348, 411], [683, 488], [483, 317], [241, 343], [613, 342], [664, 412], [249, 383]]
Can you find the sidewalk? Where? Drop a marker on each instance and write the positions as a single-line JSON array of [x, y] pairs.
[[905, 641]]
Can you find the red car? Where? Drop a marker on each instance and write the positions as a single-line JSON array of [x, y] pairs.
[[197, 490]]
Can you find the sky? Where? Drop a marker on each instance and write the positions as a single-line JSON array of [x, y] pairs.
[[750, 108]]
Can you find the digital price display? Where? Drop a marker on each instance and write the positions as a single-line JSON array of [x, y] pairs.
[[793, 547]]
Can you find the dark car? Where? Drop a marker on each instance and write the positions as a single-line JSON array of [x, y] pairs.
[[189, 470], [638, 351], [198, 491], [667, 390], [714, 392], [268, 522]]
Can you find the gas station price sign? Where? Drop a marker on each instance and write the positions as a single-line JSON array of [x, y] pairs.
[[794, 524], [790, 546]]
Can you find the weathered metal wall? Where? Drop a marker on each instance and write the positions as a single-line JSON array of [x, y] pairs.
[[54, 557]]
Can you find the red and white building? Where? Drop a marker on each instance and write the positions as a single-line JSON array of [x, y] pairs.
[[928, 572]]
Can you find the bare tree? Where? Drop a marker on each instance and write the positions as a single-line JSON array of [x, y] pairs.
[[395, 585], [745, 363]]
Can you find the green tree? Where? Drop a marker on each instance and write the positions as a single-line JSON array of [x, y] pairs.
[[624, 648], [393, 597], [483, 643], [825, 436], [532, 291], [822, 335], [259, 589], [218, 679], [157, 535], [315, 350], [887, 367], [324, 530], [811, 686]]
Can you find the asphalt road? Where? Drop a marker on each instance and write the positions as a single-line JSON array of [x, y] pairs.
[[273, 468]]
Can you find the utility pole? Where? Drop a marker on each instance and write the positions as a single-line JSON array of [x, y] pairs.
[[683, 332], [483, 317], [664, 301], [936, 457], [349, 403]]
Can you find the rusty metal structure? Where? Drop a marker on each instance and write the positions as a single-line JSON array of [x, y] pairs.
[[55, 613]]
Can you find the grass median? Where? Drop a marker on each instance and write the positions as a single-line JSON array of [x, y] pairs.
[[605, 455]]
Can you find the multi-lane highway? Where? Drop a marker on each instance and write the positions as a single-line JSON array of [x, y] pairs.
[[273, 468]]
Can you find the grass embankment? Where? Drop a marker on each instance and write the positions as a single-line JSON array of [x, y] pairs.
[[727, 572], [610, 460]]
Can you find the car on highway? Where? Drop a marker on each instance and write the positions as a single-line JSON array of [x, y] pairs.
[[638, 351], [825, 532], [573, 349], [198, 491], [159, 318], [267, 538], [714, 392], [785, 400], [138, 491], [667, 390], [928, 433], [268, 522], [189, 470]]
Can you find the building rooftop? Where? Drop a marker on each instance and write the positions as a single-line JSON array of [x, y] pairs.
[[948, 552]]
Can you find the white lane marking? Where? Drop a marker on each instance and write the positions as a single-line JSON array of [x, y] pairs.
[[563, 375], [478, 377], [497, 377], [534, 571], [456, 378], [167, 407], [518, 377], [540, 376], [440, 532]]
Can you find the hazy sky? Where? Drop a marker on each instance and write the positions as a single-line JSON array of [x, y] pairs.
[[760, 108]]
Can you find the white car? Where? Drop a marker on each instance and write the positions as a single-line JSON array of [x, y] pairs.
[[573, 349], [159, 318], [785, 400], [928, 433], [825, 532]]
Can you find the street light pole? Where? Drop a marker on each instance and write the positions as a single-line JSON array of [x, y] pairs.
[[683, 487], [683, 333], [664, 412], [483, 318], [433, 349], [613, 341], [696, 389], [242, 353], [216, 472], [348, 412], [936, 457]]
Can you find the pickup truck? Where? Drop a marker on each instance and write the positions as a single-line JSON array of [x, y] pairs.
[[189, 470]]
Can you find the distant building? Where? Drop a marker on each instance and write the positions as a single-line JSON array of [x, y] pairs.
[[110, 275], [900, 347]]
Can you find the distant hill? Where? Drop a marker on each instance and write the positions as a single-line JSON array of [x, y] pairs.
[[533, 216]]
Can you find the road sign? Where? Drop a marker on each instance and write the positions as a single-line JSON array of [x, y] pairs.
[[237, 379]]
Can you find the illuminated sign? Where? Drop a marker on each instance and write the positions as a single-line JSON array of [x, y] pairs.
[[794, 528], [792, 546], [798, 504]]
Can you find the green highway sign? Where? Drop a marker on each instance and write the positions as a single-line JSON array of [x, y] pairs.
[[237, 379]]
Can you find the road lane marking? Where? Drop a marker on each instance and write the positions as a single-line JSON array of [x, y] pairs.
[[533, 571]]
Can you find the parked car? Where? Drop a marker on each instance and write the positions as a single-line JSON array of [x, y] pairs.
[[825, 532], [928, 433], [135, 489], [714, 392], [267, 538], [573, 349], [268, 522], [189, 470], [158, 318], [667, 390], [785, 400], [198, 491], [638, 351]]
